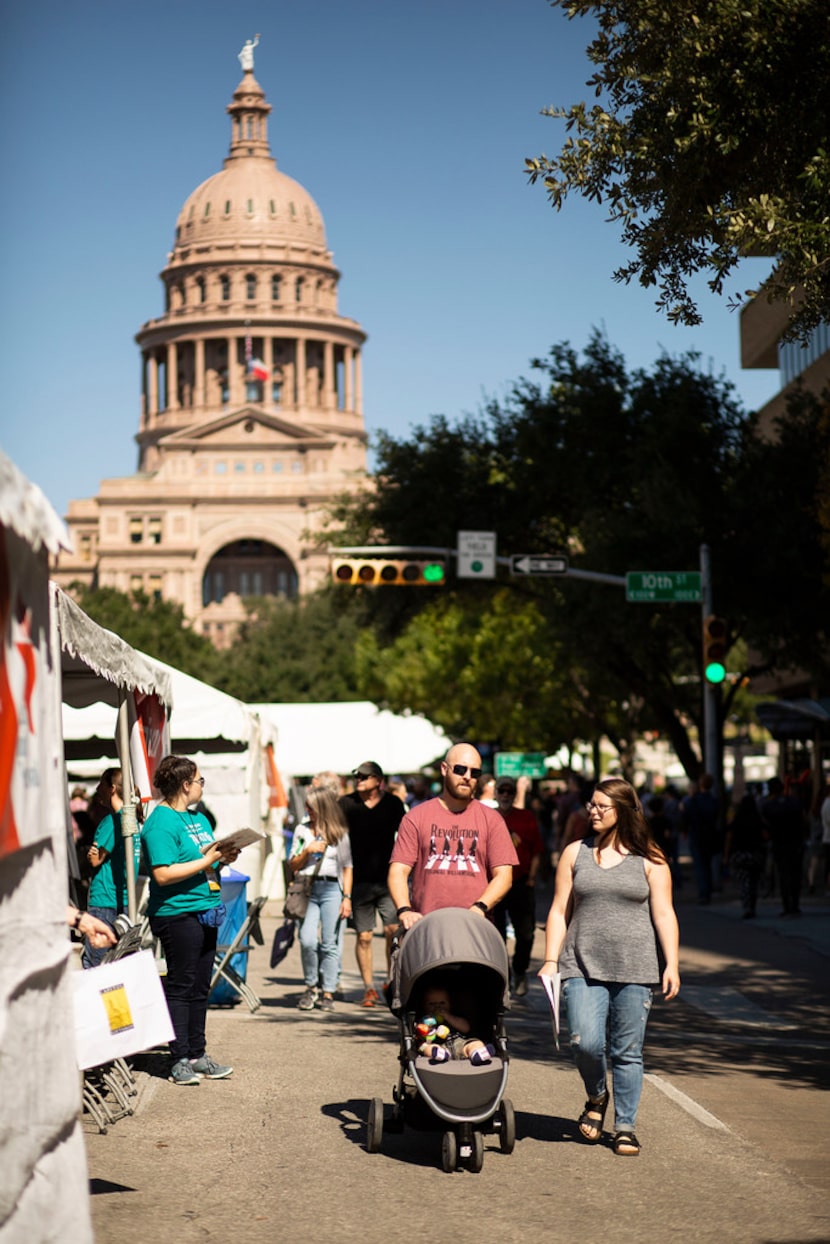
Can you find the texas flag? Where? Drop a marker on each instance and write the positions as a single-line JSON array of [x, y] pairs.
[[257, 369]]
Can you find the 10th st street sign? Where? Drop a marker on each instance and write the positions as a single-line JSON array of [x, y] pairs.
[[664, 585], [533, 563]]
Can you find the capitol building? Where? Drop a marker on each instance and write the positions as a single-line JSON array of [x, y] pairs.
[[251, 417]]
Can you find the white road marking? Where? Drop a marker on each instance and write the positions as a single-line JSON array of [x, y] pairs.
[[687, 1103]]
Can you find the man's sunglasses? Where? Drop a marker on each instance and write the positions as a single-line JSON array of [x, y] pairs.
[[462, 770]]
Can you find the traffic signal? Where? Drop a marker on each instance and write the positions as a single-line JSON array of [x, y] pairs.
[[389, 572], [714, 649]]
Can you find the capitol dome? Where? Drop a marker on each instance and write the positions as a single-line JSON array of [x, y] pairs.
[[250, 202]]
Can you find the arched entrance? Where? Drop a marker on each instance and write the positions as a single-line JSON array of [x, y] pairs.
[[248, 568]]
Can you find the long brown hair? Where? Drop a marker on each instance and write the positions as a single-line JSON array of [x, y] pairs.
[[632, 828], [331, 822]]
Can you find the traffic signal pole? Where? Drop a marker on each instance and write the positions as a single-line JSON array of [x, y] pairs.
[[711, 692]]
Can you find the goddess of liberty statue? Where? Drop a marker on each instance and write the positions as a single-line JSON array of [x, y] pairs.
[[246, 56]]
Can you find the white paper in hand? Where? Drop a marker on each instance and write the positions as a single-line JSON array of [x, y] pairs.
[[236, 841], [553, 985]]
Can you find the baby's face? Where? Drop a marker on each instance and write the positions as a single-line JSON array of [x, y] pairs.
[[437, 1000]]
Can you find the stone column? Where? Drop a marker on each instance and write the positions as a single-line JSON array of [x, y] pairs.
[[172, 376], [300, 371], [358, 382], [235, 396], [329, 395], [153, 382], [199, 372], [348, 363]]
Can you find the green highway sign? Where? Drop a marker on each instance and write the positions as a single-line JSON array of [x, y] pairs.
[[664, 585], [521, 764]]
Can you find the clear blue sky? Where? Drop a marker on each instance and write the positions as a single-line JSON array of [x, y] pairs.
[[407, 122]]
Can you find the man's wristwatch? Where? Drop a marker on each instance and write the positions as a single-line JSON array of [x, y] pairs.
[[401, 910], [481, 905]]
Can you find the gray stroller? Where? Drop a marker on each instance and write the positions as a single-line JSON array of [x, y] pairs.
[[462, 1100]]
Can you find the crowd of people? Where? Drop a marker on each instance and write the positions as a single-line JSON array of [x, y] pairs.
[[378, 851]]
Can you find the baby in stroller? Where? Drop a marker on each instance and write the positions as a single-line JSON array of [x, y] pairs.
[[446, 1033]]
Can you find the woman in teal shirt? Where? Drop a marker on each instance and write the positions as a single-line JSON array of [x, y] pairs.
[[185, 910], [108, 887]]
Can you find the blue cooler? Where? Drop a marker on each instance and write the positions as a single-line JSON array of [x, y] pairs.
[[234, 886]]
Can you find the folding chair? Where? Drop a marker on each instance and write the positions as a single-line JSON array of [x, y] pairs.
[[250, 928]]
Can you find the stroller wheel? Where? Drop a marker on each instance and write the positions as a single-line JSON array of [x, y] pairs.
[[374, 1125], [449, 1152], [476, 1158], [506, 1125]]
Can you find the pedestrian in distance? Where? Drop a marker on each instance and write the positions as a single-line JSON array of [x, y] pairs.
[[611, 905], [185, 909], [786, 824], [451, 851], [745, 852], [519, 904], [321, 849]]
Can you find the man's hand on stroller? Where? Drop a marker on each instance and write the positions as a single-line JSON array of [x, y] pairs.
[[407, 917]]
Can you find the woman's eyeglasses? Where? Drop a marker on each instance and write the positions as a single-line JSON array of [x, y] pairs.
[[601, 808], [200, 780], [461, 770]]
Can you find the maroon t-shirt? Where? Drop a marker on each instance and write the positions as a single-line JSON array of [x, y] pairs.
[[452, 854], [523, 825]]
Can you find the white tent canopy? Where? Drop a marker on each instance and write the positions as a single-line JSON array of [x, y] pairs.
[[202, 715], [224, 736], [96, 663], [313, 737]]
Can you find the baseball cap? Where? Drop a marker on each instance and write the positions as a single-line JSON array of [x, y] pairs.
[[506, 783], [368, 769]]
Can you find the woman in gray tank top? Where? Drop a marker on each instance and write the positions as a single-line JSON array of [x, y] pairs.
[[613, 893]]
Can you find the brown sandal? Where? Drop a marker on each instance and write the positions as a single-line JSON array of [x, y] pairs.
[[593, 1117]]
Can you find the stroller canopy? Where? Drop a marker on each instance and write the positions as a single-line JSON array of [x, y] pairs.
[[447, 938]]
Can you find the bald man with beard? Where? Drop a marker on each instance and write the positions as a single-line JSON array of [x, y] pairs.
[[452, 851]]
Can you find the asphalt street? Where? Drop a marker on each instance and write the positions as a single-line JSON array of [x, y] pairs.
[[734, 1118]]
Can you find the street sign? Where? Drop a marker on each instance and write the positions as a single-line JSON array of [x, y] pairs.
[[521, 764], [476, 555], [531, 563], [664, 585]]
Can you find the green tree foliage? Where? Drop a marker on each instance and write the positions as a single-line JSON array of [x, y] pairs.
[[292, 651], [625, 472], [708, 143], [156, 627]]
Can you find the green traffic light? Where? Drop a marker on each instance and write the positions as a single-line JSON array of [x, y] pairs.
[[433, 572], [715, 672]]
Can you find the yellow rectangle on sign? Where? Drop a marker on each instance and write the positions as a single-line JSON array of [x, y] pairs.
[[117, 1007]]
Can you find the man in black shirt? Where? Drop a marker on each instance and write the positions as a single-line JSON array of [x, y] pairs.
[[373, 815]]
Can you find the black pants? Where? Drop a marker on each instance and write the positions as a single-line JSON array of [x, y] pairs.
[[519, 903], [788, 864], [190, 949]]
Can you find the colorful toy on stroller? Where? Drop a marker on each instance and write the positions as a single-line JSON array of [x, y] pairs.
[[462, 957]]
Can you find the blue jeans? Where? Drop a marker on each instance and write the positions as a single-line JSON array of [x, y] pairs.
[[321, 960], [91, 956], [607, 1015]]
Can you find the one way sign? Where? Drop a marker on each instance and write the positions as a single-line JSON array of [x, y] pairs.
[[530, 563]]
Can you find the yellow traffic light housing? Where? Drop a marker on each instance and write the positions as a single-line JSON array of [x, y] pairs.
[[388, 572], [714, 649]]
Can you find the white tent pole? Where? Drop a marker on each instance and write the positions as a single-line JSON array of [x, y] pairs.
[[129, 823]]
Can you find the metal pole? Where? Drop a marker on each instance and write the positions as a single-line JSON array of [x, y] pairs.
[[129, 823], [710, 691]]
